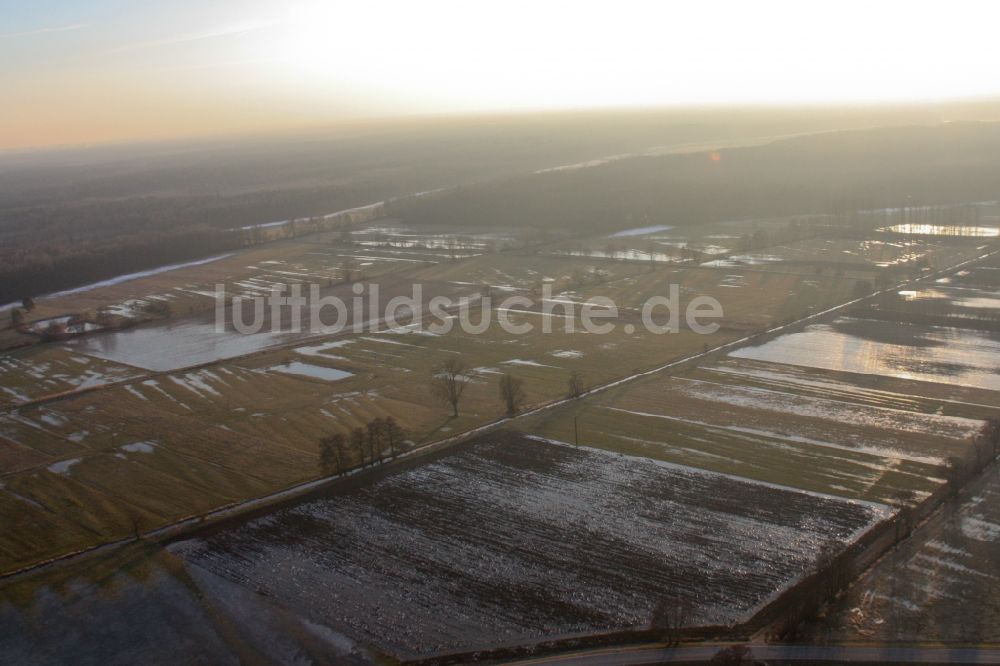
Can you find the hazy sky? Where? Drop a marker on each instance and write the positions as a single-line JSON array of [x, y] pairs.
[[94, 70]]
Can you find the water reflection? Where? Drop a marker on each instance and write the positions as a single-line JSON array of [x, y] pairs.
[[930, 353], [944, 230]]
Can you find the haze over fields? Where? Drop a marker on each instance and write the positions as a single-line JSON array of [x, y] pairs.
[[451, 332]]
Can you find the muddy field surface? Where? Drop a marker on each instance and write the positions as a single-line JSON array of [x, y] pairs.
[[510, 540]]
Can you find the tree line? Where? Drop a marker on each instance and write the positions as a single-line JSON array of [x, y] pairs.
[[380, 439], [450, 379], [45, 248]]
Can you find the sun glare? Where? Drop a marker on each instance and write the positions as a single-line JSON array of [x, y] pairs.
[[316, 61], [472, 54]]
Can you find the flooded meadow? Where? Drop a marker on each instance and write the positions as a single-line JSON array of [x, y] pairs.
[[911, 351]]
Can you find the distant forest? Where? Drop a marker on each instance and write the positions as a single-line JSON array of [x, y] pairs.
[[833, 172], [49, 249], [71, 218]]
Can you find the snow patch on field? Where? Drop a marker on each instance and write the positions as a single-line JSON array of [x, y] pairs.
[[495, 543], [197, 380], [567, 353], [53, 420], [139, 447], [871, 450], [309, 370], [981, 530], [63, 466], [953, 427], [136, 392], [17, 395], [318, 350], [415, 328], [533, 364], [155, 385], [386, 341], [884, 511]]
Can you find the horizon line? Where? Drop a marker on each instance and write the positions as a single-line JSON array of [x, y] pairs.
[[511, 113]]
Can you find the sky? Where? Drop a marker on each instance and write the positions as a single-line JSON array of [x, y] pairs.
[[89, 71]]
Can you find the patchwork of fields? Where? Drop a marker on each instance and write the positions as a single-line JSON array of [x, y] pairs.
[[242, 428], [721, 480]]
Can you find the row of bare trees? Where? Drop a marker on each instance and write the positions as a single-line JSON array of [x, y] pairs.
[[451, 378], [370, 445], [383, 437]]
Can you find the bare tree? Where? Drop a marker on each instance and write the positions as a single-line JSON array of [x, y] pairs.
[[991, 431], [670, 615], [576, 385], [135, 522], [332, 450], [393, 435], [374, 432], [358, 442], [651, 251], [986, 442], [955, 473], [449, 382], [511, 393], [904, 501]]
